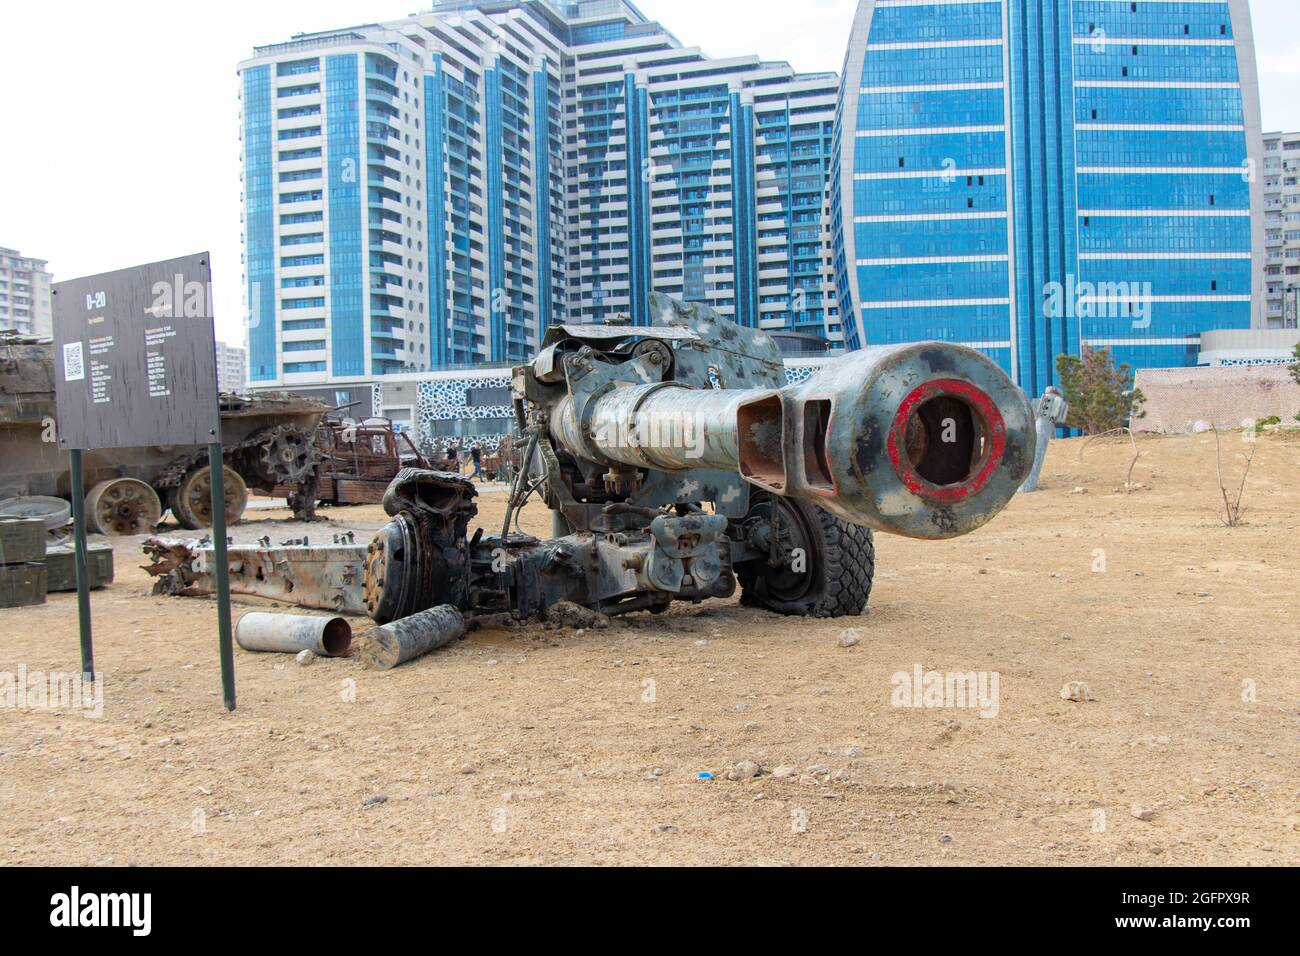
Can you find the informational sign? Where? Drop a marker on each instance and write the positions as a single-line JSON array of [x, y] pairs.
[[135, 357]]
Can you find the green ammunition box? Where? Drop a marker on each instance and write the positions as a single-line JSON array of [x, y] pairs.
[[22, 540], [22, 585], [62, 564]]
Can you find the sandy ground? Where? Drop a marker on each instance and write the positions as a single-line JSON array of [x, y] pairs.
[[527, 746]]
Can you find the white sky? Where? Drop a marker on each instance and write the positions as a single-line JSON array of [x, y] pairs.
[[120, 120]]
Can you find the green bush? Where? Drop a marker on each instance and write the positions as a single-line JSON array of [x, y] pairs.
[[1100, 393]]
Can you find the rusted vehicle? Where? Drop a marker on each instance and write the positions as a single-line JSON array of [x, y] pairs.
[[268, 441], [500, 465], [358, 460], [509, 459]]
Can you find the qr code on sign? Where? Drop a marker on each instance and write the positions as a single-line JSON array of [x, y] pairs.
[[74, 365]]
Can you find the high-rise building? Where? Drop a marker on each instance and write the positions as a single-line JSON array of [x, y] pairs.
[[25, 295], [232, 363], [1282, 230], [1035, 176], [437, 191]]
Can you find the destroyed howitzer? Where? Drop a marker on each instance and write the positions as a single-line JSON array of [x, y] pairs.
[[677, 464]]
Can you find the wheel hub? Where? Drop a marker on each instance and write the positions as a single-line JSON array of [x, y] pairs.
[[792, 575]]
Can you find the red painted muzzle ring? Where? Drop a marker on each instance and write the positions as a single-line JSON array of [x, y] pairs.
[[995, 434]]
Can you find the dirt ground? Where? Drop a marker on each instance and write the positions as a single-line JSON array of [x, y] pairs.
[[527, 746]]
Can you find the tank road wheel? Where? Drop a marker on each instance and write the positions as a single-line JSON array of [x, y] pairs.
[[53, 512], [834, 577], [191, 500], [123, 506]]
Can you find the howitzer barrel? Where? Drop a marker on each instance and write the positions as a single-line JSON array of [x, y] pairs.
[[926, 440], [666, 425]]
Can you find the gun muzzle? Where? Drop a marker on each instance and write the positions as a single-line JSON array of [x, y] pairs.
[[927, 440]]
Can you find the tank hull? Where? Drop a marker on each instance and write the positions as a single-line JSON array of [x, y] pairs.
[[32, 463]]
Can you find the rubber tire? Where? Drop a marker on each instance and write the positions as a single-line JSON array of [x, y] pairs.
[[844, 563]]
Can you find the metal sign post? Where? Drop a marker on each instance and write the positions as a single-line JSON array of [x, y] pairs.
[[135, 366], [83, 574], [227, 650]]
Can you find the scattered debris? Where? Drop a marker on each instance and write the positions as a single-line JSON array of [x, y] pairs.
[[384, 647], [1146, 814], [294, 633], [326, 576], [565, 615]]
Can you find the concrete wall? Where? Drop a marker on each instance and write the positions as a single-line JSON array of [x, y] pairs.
[[1223, 396]]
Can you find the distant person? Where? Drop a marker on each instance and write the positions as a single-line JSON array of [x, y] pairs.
[[476, 454], [453, 459]]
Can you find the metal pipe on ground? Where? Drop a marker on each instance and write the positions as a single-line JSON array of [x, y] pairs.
[[389, 645], [292, 633]]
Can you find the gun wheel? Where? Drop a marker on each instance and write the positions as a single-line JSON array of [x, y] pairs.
[[390, 582], [191, 500], [827, 568]]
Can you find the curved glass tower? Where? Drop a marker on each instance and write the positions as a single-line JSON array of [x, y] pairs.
[[436, 192], [1033, 176]]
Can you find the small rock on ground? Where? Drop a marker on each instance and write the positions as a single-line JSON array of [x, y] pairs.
[[745, 770], [1077, 691]]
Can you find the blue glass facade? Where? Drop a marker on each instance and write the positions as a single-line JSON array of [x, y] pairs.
[[259, 225], [380, 302], [545, 127], [1031, 177], [440, 334], [637, 170], [495, 220], [343, 142], [744, 229]]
